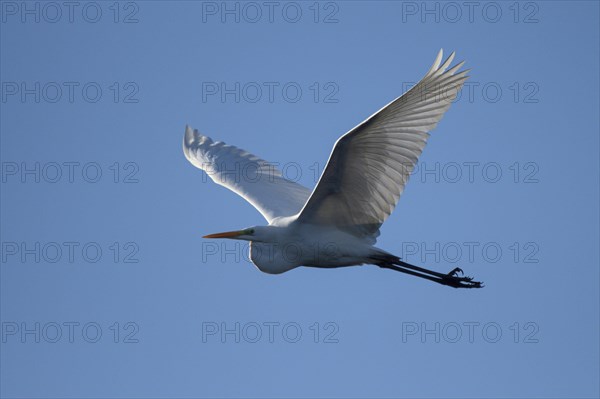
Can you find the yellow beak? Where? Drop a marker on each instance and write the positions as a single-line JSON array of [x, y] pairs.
[[227, 234]]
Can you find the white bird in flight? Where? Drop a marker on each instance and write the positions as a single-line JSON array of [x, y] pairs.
[[337, 223]]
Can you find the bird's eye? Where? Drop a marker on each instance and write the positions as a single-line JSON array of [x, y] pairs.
[[250, 231]]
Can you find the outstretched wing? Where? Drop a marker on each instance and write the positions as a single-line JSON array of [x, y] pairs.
[[254, 179], [370, 165]]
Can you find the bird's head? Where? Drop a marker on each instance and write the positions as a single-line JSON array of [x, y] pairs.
[[255, 233]]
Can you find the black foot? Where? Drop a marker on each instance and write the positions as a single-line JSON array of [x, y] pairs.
[[452, 280], [455, 272]]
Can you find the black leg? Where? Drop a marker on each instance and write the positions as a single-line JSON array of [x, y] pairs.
[[451, 279]]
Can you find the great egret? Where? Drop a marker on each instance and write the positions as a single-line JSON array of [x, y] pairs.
[[338, 222]]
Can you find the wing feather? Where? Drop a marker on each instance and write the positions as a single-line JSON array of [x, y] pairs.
[[256, 180], [370, 165]]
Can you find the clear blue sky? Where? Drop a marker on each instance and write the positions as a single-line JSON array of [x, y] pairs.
[[102, 216]]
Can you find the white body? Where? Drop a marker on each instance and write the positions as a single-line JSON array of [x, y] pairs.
[[289, 244]]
